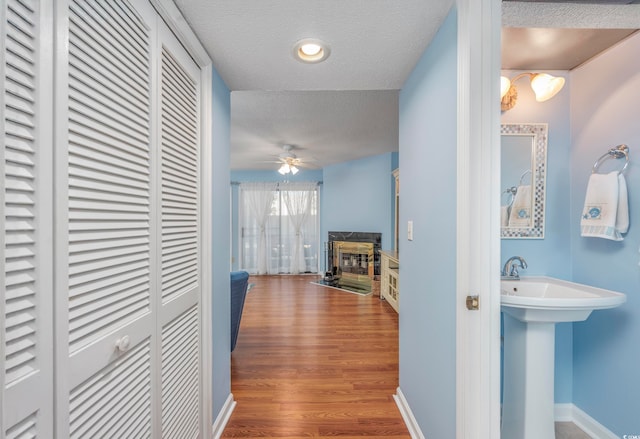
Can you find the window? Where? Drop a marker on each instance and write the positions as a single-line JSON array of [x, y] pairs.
[[279, 226]]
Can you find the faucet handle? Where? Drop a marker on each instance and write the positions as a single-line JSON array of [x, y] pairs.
[[514, 271]]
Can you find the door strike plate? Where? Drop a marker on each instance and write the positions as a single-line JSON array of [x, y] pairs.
[[473, 303]]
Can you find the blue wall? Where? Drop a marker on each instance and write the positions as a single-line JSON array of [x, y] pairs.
[[221, 362], [358, 197], [549, 256], [427, 138], [605, 109]]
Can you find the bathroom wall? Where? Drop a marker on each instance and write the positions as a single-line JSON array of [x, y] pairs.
[[605, 111], [428, 126], [549, 256]]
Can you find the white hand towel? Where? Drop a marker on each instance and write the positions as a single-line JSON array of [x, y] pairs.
[[504, 216], [622, 215], [520, 215], [606, 208]]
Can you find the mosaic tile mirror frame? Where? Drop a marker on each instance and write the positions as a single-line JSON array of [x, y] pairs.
[[532, 137]]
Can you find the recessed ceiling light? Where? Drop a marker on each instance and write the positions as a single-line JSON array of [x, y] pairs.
[[310, 50]]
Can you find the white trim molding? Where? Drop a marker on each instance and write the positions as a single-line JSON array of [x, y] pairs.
[[477, 229], [407, 415], [223, 417], [206, 313], [571, 413], [170, 13]]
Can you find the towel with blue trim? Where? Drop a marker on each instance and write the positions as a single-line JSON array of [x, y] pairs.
[[606, 207]]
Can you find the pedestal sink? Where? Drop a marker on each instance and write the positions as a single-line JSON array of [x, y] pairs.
[[532, 306]]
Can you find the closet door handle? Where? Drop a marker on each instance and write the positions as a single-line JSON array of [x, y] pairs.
[[123, 343]]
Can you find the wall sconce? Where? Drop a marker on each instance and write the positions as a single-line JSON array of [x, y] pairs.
[[545, 87]]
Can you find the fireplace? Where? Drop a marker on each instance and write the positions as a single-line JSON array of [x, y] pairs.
[[353, 260]]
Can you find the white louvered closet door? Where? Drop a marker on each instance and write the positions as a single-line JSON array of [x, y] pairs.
[[26, 332], [133, 205], [110, 308], [180, 269]]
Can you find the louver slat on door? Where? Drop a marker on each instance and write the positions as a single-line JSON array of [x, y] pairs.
[[20, 195], [179, 180], [180, 267], [109, 170], [180, 405], [25, 310], [113, 403]]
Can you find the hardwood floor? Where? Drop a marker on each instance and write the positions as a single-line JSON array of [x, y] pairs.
[[314, 362]]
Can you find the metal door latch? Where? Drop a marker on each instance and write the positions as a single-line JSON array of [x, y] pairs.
[[473, 303]]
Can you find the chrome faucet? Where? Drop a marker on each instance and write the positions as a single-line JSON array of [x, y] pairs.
[[510, 268]]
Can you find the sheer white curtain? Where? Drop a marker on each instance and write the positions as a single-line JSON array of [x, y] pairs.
[[257, 201], [298, 201], [279, 225]]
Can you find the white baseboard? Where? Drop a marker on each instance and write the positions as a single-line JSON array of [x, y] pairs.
[[563, 412], [571, 413], [407, 415], [223, 417]]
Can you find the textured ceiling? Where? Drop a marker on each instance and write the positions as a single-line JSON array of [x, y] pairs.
[[374, 43], [325, 127], [346, 108], [342, 109], [561, 35]]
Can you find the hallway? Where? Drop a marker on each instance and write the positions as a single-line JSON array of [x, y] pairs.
[[314, 362]]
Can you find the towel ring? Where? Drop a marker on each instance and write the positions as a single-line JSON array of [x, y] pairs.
[[512, 195], [618, 152]]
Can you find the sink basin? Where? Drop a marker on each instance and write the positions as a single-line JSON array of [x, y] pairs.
[[532, 307], [545, 299]]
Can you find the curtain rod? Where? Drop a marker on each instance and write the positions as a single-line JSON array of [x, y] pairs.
[[237, 183]]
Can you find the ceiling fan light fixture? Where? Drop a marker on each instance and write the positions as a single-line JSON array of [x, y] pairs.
[[311, 50], [293, 170], [284, 169]]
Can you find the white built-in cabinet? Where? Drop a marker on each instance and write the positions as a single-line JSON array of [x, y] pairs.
[[101, 198], [390, 278]]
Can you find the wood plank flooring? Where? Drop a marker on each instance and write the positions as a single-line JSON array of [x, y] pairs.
[[314, 362]]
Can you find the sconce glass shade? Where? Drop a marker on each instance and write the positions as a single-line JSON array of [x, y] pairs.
[[546, 86], [504, 86]]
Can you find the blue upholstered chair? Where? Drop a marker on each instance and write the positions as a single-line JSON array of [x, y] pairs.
[[239, 286]]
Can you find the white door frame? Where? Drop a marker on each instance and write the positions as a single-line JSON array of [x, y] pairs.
[[478, 234]]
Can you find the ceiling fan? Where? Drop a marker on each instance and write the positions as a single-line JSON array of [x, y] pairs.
[[290, 163]]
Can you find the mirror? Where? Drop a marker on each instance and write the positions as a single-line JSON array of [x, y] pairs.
[[523, 174]]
